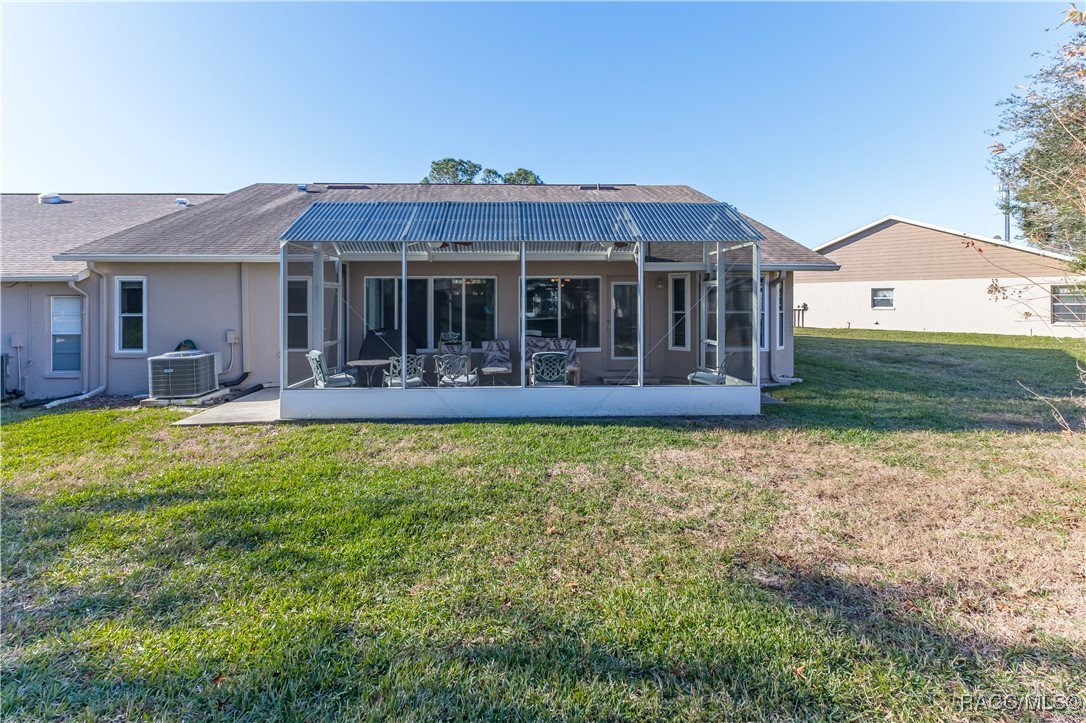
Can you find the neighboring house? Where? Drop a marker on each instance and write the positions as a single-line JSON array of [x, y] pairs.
[[50, 308], [907, 275], [211, 272]]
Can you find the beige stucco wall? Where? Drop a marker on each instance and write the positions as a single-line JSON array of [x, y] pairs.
[[199, 301], [960, 305], [25, 312]]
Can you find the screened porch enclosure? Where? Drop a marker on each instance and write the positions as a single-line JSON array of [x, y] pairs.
[[640, 337]]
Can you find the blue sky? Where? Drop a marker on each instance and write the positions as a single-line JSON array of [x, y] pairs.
[[814, 118]]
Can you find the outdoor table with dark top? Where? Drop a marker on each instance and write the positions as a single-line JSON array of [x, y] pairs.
[[375, 351]]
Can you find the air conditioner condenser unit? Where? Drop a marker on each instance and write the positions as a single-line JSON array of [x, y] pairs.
[[189, 373]]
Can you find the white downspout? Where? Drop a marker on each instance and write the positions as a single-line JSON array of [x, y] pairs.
[[85, 341]]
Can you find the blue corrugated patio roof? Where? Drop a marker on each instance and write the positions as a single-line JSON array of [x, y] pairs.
[[532, 221]]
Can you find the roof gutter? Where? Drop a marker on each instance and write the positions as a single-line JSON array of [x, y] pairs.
[[45, 278]]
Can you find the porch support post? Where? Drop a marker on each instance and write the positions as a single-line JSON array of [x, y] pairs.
[[756, 354], [640, 314], [720, 305], [403, 316], [522, 317], [283, 316], [316, 303]]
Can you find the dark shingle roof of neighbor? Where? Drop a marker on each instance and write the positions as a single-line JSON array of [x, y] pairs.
[[31, 232], [249, 221]]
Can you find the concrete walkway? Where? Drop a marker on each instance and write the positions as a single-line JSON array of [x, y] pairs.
[[261, 407]]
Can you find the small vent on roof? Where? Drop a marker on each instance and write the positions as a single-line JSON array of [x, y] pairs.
[[50, 197], [303, 188], [598, 187], [182, 202], [348, 187]]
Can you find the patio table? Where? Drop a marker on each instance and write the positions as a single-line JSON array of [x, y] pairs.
[[369, 366]]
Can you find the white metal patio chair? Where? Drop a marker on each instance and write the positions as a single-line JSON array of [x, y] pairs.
[[454, 370], [549, 369], [710, 375], [416, 367], [323, 379]]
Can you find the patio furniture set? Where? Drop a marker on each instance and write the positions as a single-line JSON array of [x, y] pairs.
[[549, 362]]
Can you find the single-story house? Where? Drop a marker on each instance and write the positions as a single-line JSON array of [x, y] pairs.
[[896, 273], [48, 308], [623, 278]]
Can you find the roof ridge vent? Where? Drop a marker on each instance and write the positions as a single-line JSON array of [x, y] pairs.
[[348, 187], [50, 197], [598, 187]]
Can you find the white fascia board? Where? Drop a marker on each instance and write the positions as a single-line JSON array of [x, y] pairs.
[[943, 229], [46, 278], [674, 266], [172, 258]]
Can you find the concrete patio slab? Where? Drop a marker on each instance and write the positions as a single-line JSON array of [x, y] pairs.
[[260, 407]]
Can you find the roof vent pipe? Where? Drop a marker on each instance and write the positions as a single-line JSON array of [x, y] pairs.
[[49, 197], [182, 202]]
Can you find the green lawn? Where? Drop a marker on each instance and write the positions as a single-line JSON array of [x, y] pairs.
[[907, 529]]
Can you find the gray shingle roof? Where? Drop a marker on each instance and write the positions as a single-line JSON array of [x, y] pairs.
[[31, 233], [249, 221]]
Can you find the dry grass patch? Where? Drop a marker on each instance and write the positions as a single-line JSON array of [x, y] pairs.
[[989, 531]]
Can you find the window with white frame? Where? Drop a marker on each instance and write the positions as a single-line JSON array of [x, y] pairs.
[[678, 312], [882, 298], [465, 305], [564, 307], [781, 317], [1069, 304], [131, 314], [297, 314], [66, 332]]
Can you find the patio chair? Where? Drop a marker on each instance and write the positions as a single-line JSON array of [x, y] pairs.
[[454, 370], [710, 375], [454, 347], [496, 359], [323, 379], [452, 337], [549, 369], [416, 367]]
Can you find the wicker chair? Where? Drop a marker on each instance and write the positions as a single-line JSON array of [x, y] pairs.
[[416, 367], [322, 379], [549, 369], [454, 370]]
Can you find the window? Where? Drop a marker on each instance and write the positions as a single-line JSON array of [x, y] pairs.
[[467, 306], [298, 314], [882, 298], [131, 314], [678, 308], [565, 307], [781, 317], [1069, 304], [65, 329]]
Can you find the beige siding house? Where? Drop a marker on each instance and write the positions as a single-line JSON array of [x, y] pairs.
[[211, 271], [907, 275]]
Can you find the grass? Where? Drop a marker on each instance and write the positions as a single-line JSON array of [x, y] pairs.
[[893, 538]]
